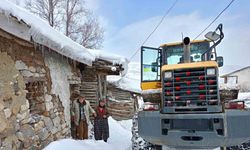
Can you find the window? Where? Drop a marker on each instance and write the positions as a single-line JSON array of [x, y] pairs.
[[174, 53], [150, 64]]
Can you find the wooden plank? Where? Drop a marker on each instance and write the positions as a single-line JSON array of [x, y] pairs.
[[121, 115], [120, 111], [122, 118], [89, 85], [89, 82], [121, 104], [89, 92], [121, 108], [100, 84], [105, 86]]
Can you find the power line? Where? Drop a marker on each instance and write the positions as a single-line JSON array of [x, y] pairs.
[[214, 19], [167, 12]]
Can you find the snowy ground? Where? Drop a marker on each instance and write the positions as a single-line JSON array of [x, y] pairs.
[[120, 136], [120, 139], [246, 97]]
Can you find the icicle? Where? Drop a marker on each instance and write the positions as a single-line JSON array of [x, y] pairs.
[[7, 15], [34, 43], [71, 61], [40, 47], [74, 62], [43, 51]]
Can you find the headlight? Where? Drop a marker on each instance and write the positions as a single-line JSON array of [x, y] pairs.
[[168, 74], [211, 71]]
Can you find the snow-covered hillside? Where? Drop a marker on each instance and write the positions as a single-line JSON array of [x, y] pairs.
[[131, 81], [120, 139]]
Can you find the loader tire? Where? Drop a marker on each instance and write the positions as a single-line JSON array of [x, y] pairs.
[[138, 143]]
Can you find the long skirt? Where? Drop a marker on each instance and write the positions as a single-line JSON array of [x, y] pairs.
[[101, 129]]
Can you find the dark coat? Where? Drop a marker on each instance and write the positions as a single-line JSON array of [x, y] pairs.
[[101, 127]]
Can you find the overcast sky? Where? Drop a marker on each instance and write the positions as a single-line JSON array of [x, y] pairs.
[[128, 22]]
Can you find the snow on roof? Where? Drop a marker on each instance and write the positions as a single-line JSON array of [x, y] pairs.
[[235, 71], [228, 68], [42, 33], [115, 59], [131, 81]]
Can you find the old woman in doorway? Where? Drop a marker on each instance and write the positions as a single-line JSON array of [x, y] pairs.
[[101, 127]]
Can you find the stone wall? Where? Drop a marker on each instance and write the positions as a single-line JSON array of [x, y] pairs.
[[31, 113]]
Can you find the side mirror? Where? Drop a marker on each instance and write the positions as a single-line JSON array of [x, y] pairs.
[[220, 61], [154, 67]]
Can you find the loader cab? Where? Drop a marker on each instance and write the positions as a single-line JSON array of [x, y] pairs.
[[152, 59], [169, 54], [174, 54]]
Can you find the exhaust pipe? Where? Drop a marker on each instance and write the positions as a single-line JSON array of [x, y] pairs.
[[186, 49]]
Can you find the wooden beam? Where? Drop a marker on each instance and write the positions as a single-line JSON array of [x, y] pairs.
[[105, 86], [100, 86], [107, 67]]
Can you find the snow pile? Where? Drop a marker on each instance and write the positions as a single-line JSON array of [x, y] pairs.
[[67, 144], [129, 84], [131, 81], [126, 124], [152, 91], [41, 32], [120, 138], [246, 97], [140, 103], [229, 86]]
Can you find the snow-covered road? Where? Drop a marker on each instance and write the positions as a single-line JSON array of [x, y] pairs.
[[120, 139]]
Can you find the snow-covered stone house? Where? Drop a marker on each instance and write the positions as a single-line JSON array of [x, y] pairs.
[[124, 93], [240, 77], [40, 69]]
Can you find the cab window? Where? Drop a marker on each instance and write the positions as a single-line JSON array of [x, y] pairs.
[[150, 64]]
